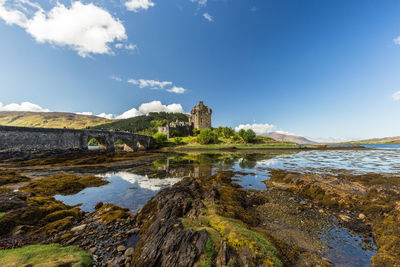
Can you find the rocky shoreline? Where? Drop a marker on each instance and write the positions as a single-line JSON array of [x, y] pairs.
[[204, 221]]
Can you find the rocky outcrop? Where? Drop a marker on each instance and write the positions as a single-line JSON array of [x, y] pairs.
[[163, 239]]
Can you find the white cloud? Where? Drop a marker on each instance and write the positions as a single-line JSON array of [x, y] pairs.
[[285, 133], [177, 90], [116, 78], [24, 106], [85, 28], [135, 5], [130, 47], [157, 85], [129, 114], [397, 40], [149, 83], [396, 96], [157, 106], [208, 17], [200, 2], [256, 127], [106, 116], [146, 108], [86, 113]]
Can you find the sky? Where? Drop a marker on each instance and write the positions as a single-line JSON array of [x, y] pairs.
[[328, 70]]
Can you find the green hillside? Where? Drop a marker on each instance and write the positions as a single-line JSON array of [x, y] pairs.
[[379, 141], [146, 124], [49, 119]]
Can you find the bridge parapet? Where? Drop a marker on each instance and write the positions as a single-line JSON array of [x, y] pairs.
[[28, 138]]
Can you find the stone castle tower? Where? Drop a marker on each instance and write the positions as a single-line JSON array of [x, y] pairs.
[[201, 116]]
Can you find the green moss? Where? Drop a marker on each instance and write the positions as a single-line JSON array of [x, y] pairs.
[[2, 214], [57, 226], [57, 215], [238, 236], [11, 177], [45, 255], [110, 212], [64, 184]]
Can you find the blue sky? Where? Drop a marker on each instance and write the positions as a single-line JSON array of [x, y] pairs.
[[322, 69]]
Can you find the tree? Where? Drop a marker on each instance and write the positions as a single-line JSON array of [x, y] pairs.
[[206, 136], [225, 132], [242, 132], [249, 136], [160, 139]]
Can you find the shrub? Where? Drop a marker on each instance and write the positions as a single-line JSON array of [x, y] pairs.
[[178, 141], [249, 136], [206, 136], [225, 132], [242, 132], [160, 138], [196, 132], [174, 133], [236, 138]]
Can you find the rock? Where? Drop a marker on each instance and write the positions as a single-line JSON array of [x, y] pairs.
[[361, 216], [92, 250], [72, 240], [133, 231], [129, 252], [11, 201], [121, 248], [167, 243], [344, 217], [303, 202], [78, 228]]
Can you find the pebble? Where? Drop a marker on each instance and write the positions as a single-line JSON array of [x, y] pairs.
[[78, 228], [121, 248], [344, 217], [92, 250], [129, 252], [361, 216]]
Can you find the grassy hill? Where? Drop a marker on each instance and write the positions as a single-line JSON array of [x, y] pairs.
[[289, 138], [49, 119], [146, 124], [379, 141]]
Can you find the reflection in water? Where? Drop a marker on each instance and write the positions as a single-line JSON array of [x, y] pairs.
[[125, 189], [133, 187]]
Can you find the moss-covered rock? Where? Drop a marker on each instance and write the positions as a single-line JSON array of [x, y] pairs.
[[11, 177], [52, 255], [63, 184], [375, 196]]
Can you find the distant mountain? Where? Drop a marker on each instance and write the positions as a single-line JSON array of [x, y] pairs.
[[49, 119], [289, 138], [146, 124], [378, 141]]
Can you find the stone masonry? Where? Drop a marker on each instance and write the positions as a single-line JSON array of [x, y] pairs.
[[201, 116], [26, 138]]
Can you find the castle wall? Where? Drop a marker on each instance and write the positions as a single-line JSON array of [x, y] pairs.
[[201, 116]]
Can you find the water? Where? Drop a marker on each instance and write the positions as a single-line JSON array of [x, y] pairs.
[[133, 187], [125, 189], [379, 160], [382, 146]]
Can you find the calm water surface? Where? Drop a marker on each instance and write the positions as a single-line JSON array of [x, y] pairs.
[[133, 187]]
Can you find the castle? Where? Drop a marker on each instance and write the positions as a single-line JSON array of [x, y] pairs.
[[199, 118]]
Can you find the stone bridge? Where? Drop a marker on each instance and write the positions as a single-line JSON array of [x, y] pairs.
[[27, 138]]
